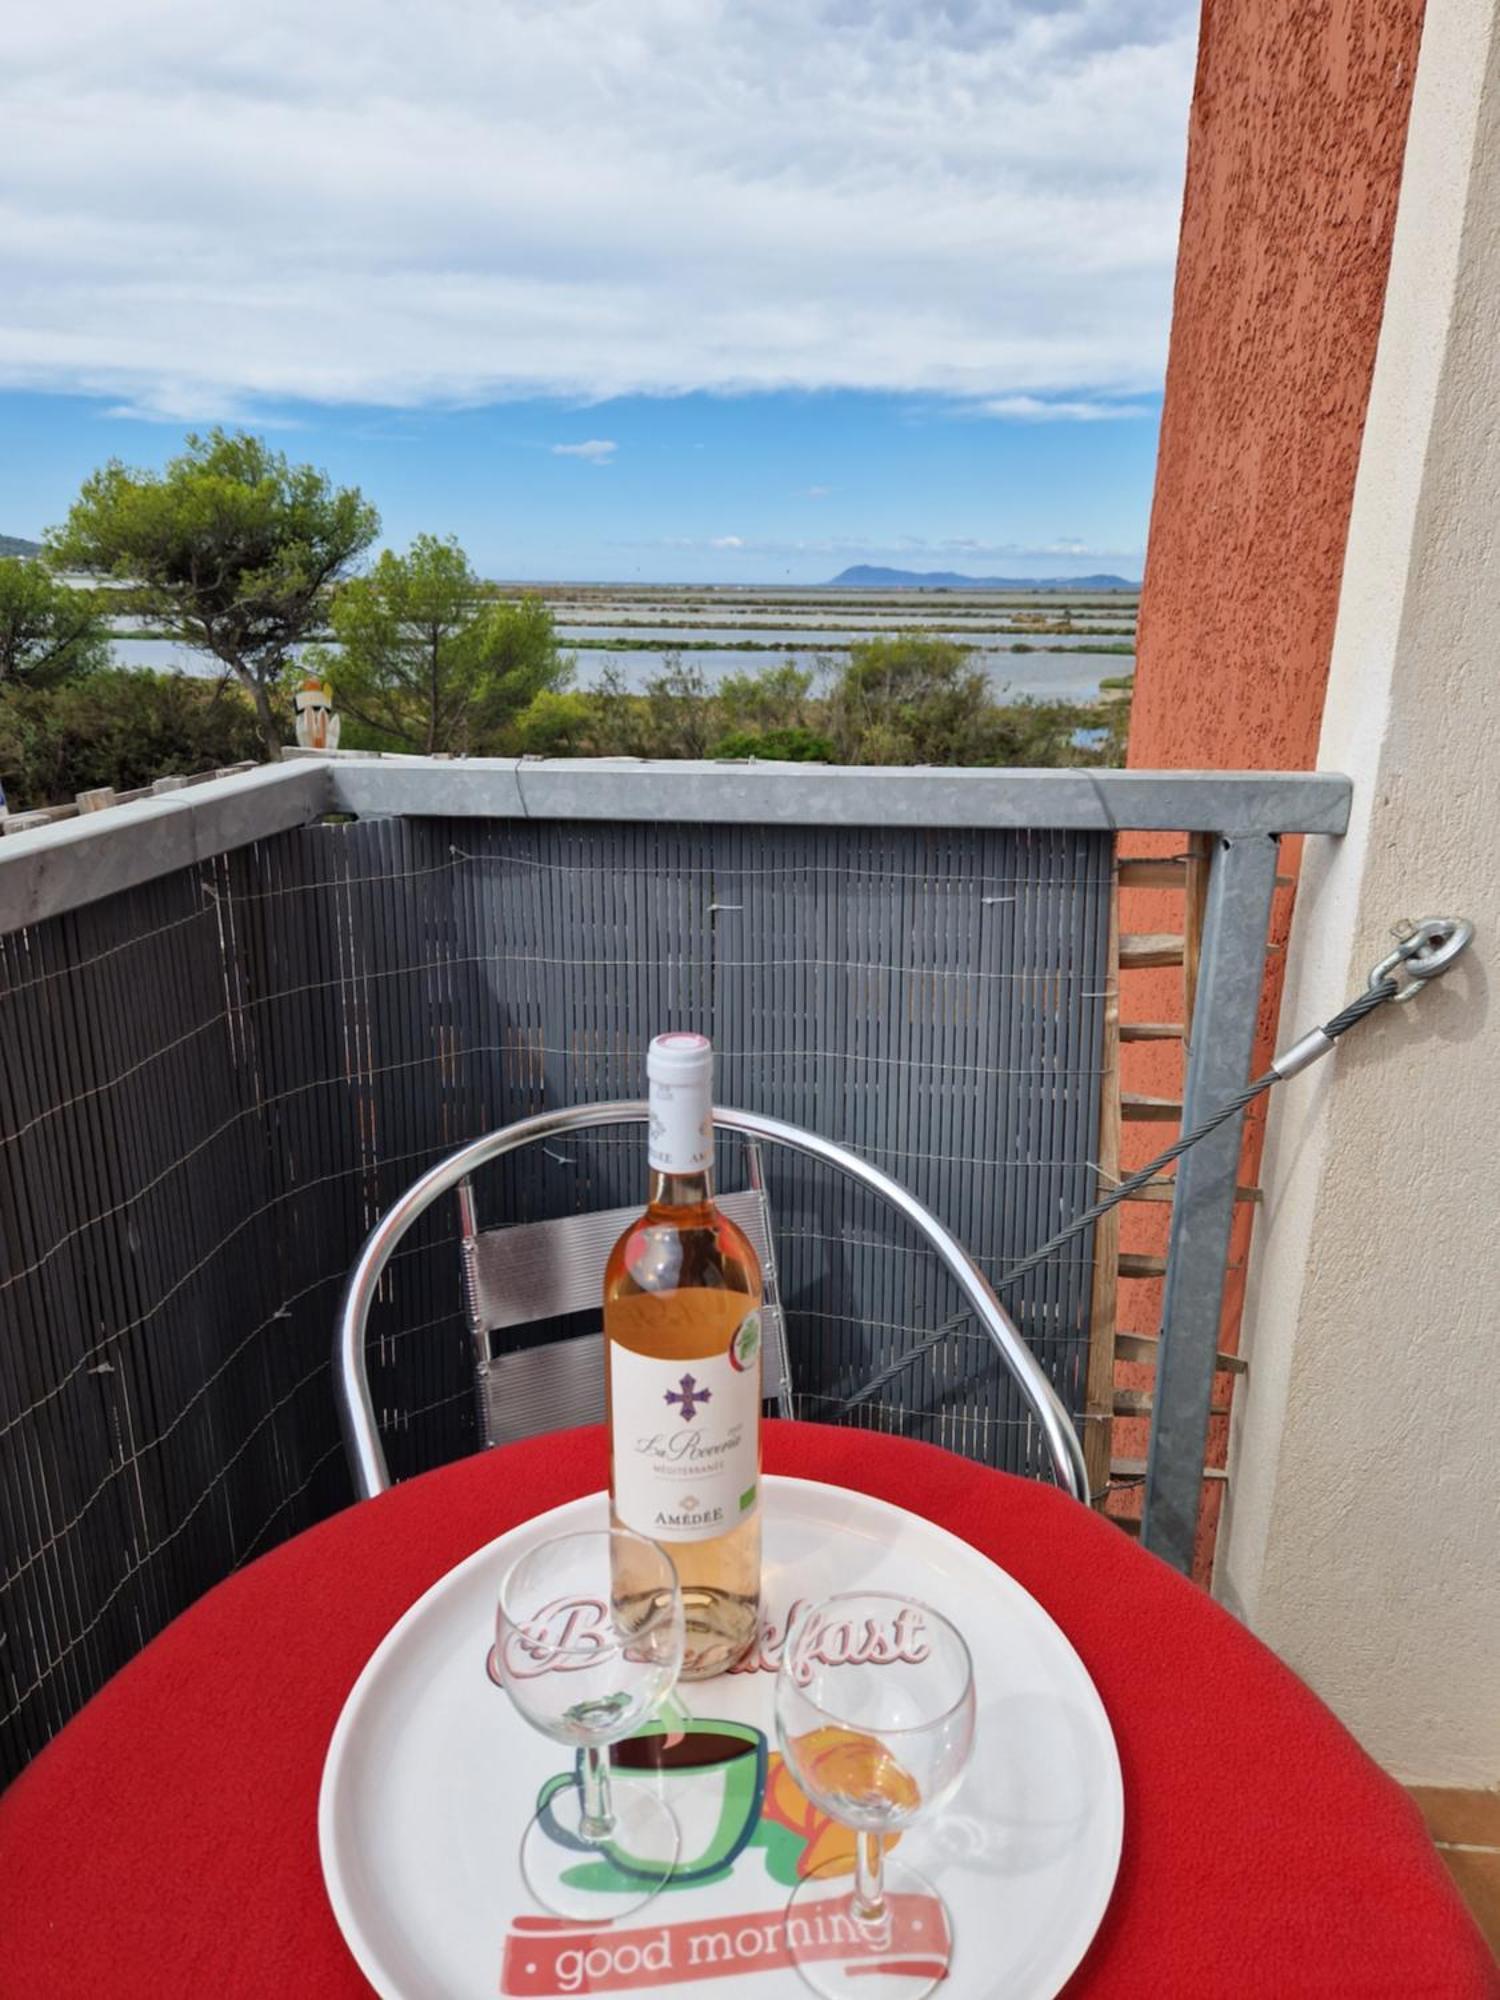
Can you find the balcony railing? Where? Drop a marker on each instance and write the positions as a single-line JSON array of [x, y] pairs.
[[236, 1020]]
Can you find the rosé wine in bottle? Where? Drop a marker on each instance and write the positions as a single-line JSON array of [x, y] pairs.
[[682, 1341]]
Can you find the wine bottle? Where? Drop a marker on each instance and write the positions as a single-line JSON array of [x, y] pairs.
[[682, 1296]]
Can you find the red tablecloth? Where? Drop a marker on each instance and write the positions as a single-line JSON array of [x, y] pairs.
[[166, 1843]]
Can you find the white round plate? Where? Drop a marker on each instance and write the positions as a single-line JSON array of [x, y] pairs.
[[431, 1779]]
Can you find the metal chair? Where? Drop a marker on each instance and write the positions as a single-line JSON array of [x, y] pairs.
[[541, 1270], [366, 1456]]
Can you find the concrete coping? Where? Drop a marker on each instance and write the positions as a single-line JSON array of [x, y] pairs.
[[63, 865]]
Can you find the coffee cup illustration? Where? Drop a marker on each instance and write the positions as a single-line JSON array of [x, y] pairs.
[[713, 1775]]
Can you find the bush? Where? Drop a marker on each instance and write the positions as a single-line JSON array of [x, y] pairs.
[[898, 701], [679, 713], [777, 698], [901, 701], [121, 727], [915, 699], [795, 745], [556, 725]]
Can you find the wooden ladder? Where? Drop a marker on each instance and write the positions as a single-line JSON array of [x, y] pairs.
[[1103, 1401]]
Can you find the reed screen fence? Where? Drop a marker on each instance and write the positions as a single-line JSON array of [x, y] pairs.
[[212, 1084]]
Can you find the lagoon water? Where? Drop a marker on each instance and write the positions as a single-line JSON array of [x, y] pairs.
[[1038, 676], [663, 625], [831, 638]]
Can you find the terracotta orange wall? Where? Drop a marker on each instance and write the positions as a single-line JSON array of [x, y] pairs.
[[1294, 162]]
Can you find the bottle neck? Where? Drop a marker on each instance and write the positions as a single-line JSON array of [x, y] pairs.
[[680, 1190]]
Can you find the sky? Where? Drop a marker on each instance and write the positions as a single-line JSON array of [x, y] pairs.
[[739, 290]]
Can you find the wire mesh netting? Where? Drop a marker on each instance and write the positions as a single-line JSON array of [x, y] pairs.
[[212, 1085]]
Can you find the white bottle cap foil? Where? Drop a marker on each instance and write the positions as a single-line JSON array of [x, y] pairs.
[[680, 1071]]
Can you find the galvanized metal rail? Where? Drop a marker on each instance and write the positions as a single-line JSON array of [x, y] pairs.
[[55, 868]]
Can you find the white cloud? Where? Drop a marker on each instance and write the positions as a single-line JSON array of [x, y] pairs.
[[818, 492], [216, 208], [1037, 410], [726, 542], [598, 451], [197, 408]]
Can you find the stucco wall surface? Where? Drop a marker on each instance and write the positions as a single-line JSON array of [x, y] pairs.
[[1295, 145], [1362, 1536]]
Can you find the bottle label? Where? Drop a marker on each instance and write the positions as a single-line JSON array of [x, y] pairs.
[[686, 1440]]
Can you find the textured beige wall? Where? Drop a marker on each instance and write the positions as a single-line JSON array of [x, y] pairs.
[[1362, 1537]]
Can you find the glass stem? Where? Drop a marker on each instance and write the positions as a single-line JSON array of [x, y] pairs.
[[597, 1820], [870, 1911]]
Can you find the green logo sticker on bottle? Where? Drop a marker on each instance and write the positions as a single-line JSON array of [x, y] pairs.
[[745, 1348]]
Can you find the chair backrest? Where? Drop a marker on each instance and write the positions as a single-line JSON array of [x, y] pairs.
[[366, 1454], [541, 1270]]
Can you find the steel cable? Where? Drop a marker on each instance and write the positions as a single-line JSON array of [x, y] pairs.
[[1363, 1004]]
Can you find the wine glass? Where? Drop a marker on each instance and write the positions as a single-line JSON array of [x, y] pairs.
[[587, 1665], [875, 1718]]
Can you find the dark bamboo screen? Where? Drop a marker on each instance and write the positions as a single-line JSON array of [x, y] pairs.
[[210, 1086]]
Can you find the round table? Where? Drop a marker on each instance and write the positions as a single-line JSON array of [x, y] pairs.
[[166, 1842]]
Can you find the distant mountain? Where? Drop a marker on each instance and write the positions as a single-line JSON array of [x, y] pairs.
[[17, 545], [863, 576]]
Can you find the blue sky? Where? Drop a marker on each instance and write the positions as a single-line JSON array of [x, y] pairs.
[[778, 486], [739, 289]]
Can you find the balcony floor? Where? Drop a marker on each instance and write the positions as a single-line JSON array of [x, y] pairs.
[[1465, 1828]]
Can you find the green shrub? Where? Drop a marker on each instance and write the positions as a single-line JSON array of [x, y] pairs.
[[776, 698], [121, 727], [794, 745], [916, 699], [679, 712], [901, 701], [556, 725]]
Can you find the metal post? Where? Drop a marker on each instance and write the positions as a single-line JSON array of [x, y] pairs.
[[1228, 1001]]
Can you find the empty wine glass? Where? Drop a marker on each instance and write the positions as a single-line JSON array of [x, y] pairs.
[[875, 1717], [587, 1666]]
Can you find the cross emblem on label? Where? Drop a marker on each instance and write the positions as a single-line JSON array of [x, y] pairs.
[[688, 1395]]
